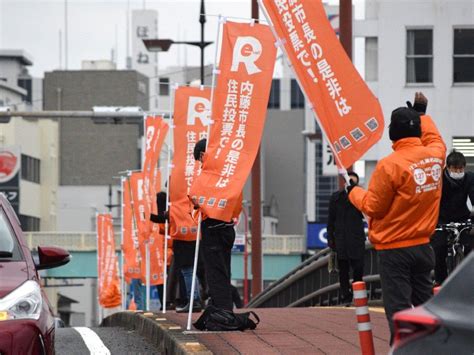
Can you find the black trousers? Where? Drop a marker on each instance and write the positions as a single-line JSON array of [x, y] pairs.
[[405, 277], [345, 265], [217, 241]]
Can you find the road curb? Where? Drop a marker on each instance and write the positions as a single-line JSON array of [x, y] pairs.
[[159, 330]]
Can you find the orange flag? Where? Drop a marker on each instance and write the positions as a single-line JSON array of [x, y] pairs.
[[131, 254], [139, 203], [347, 111], [156, 130], [238, 110], [191, 117], [109, 290]]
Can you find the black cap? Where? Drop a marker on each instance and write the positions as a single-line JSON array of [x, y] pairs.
[[199, 148], [405, 122]]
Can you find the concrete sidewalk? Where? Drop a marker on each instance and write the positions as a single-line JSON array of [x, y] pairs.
[[319, 330]]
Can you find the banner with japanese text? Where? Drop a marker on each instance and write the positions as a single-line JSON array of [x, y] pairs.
[[238, 113], [156, 130], [191, 118], [109, 289], [139, 202], [130, 245], [346, 109]]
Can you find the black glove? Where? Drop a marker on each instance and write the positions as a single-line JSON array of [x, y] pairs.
[[420, 103], [349, 187]]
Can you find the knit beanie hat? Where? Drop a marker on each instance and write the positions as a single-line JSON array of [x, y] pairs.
[[405, 122]]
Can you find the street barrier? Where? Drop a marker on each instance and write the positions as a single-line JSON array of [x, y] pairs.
[[311, 283], [363, 318]]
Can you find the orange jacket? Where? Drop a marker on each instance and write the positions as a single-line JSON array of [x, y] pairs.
[[402, 201]]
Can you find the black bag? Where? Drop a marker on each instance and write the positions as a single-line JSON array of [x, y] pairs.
[[216, 319]]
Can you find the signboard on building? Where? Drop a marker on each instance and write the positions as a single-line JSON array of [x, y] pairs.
[[10, 161], [328, 160], [145, 26], [317, 235]]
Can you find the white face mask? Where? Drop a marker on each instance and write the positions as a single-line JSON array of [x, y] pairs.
[[456, 176]]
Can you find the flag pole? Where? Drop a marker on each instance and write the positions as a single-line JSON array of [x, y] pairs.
[[167, 225], [147, 241], [193, 283], [99, 308], [122, 272]]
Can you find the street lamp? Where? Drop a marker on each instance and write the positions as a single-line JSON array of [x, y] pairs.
[[163, 45]]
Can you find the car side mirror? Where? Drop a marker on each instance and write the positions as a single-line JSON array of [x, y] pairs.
[[51, 257]]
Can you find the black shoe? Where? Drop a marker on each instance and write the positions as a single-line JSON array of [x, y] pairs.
[[196, 308]]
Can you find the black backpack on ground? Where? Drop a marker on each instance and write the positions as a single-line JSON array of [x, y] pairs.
[[216, 319]]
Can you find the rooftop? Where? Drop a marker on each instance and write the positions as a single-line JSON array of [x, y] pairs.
[[24, 57]]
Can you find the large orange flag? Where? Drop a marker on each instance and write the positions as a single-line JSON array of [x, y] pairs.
[[146, 234], [238, 110], [109, 289], [347, 111], [130, 245], [156, 130], [139, 205], [191, 118]]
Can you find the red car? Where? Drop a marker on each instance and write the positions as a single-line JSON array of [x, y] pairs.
[[26, 317]]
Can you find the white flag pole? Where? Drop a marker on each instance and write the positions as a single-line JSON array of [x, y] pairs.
[[215, 71], [193, 283], [122, 272], [168, 203]]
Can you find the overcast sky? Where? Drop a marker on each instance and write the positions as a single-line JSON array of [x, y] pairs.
[[96, 27]]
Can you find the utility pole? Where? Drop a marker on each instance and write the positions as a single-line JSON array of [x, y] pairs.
[[256, 211], [202, 21]]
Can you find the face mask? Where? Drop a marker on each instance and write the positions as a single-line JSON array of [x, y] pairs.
[[456, 176]]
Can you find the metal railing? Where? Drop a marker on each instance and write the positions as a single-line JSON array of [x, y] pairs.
[[87, 241], [311, 284], [71, 241]]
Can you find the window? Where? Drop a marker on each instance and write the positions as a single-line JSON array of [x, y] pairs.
[[164, 86], [274, 100], [463, 55], [26, 84], [30, 168], [371, 59], [29, 224], [297, 97], [419, 56]]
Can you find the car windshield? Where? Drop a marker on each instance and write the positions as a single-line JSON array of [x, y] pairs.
[[9, 249]]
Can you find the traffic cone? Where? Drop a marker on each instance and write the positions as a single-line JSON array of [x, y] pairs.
[[132, 306]]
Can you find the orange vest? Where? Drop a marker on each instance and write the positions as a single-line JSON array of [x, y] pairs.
[[402, 201]]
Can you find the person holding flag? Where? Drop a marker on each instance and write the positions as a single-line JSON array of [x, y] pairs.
[[402, 204], [183, 256], [217, 241]]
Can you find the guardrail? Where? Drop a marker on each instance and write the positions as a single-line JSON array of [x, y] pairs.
[[87, 241], [311, 284]]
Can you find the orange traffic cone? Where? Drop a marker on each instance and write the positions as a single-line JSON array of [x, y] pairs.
[[132, 306]]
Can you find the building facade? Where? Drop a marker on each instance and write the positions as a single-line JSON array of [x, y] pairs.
[[423, 46], [32, 144], [92, 155]]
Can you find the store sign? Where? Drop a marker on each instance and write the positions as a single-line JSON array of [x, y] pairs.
[[10, 162], [145, 26], [328, 160]]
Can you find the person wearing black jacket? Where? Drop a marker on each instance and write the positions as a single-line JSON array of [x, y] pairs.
[[346, 236], [183, 259], [458, 185]]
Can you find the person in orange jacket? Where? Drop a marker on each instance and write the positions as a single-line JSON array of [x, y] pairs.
[[402, 205]]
